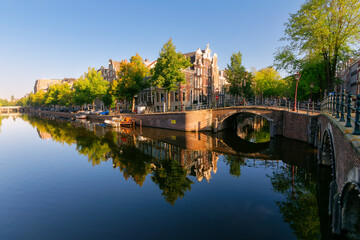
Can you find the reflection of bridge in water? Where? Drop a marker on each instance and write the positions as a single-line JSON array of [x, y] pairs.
[[197, 152]]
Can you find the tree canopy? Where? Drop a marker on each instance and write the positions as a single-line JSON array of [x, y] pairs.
[[167, 72], [239, 79], [89, 87], [268, 83], [131, 78], [323, 30]]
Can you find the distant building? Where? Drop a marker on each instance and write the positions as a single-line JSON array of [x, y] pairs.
[[44, 84], [350, 76], [110, 74]]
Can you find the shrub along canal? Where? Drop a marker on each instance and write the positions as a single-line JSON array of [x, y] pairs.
[[79, 180]]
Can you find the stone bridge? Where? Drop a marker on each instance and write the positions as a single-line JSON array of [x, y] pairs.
[[12, 109]]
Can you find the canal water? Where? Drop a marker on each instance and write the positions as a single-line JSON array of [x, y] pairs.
[[64, 179]]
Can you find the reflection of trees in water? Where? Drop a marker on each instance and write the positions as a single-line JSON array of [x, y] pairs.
[[1, 118], [168, 174], [132, 163], [172, 179], [299, 208], [235, 163], [253, 128]]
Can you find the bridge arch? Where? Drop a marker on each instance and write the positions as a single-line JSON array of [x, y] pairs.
[[317, 138], [227, 120], [327, 155], [350, 210]]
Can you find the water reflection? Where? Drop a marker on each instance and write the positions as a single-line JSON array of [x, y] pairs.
[[175, 160], [253, 128], [299, 208], [1, 118]]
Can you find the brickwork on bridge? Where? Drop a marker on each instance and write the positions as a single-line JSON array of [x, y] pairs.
[[346, 147], [297, 126]]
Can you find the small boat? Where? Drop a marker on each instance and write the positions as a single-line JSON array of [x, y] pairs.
[[125, 122], [111, 123], [120, 122], [80, 116]]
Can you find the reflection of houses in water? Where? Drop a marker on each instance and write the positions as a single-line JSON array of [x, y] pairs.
[[197, 163], [44, 134]]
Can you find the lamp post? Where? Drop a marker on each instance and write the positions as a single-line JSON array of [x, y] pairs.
[[297, 79], [311, 88]]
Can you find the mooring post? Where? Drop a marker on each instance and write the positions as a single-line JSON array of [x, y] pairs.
[[342, 119], [357, 111], [333, 105], [337, 105], [348, 115], [307, 110]]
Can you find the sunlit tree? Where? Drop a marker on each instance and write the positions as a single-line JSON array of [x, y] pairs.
[[167, 72]]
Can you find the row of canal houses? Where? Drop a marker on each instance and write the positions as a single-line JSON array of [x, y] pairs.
[[205, 84]]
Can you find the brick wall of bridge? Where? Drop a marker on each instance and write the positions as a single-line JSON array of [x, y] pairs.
[[297, 126], [346, 150]]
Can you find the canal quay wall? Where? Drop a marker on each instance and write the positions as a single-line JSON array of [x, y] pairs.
[[283, 123]]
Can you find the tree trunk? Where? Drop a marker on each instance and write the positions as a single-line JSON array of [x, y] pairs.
[[93, 103], [117, 105], [168, 100], [133, 105]]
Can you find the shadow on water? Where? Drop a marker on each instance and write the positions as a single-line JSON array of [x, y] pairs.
[[171, 157]]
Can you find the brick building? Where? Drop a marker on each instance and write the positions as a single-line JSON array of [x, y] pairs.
[[110, 74], [350, 76]]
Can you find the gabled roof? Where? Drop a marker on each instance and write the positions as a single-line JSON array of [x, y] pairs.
[[116, 64]]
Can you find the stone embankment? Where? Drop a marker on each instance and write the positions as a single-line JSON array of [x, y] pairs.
[[71, 115]]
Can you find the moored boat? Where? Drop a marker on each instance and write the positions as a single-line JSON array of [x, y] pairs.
[[120, 122], [80, 116]]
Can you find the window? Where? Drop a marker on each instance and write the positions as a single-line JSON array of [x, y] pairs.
[[162, 96], [157, 97], [184, 95], [176, 96]]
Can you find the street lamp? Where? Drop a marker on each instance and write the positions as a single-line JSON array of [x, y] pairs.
[[297, 79], [311, 88]]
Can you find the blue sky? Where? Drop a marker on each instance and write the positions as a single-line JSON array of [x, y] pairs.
[[59, 38]]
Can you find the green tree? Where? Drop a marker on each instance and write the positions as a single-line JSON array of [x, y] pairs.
[[65, 95], [268, 83], [109, 99], [82, 91], [322, 29], [239, 79], [89, 87], [131, 79], [38, 99], [167, 72]]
